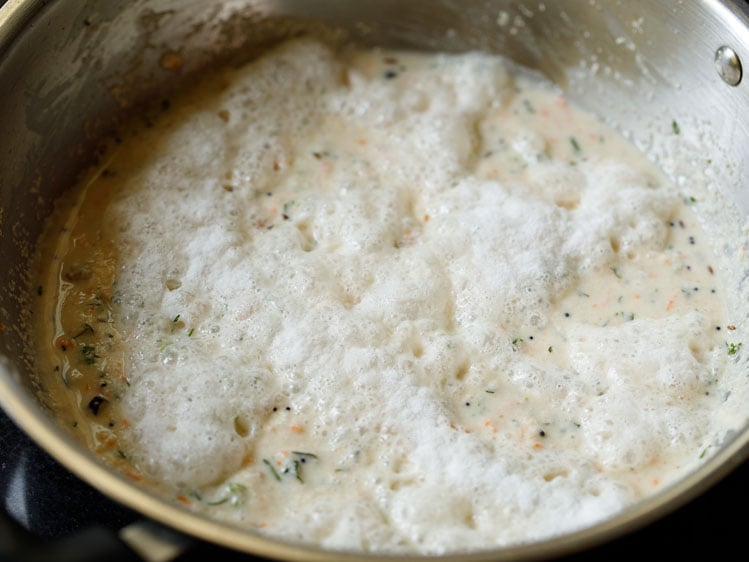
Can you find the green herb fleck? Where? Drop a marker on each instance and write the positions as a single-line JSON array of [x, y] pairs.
[[287, 206], [489, 391], [190, 332], [733, 348], [305, 455], [551, 348], [675, 127], [703, 453], [298, 471], [575, 144], [89, 354], [218, 502], [236, 491], [236, 488], [121, 454], [176, 319], [273, 471], [616, 272]]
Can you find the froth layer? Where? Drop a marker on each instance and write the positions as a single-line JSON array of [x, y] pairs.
[[369, 260]]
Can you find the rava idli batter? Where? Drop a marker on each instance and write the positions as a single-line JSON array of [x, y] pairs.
[[385, 301]]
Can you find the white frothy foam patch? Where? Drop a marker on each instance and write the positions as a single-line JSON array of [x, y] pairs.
[[313, 248]]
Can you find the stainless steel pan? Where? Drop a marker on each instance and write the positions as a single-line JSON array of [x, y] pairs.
[[69, 69]]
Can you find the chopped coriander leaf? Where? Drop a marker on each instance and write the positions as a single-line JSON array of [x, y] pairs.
[[236, 491], [218, 502], [89, 354], [236, 488], [273, 471], [304, 455], [287, 206], [733, 348]]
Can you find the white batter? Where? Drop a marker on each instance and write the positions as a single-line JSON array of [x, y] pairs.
[[388, 302]]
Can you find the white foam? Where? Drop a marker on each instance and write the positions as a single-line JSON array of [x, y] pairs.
[[640, 382], [381, 317]]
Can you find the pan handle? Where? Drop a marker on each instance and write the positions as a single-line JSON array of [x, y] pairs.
[[47, 514], [93, 544]]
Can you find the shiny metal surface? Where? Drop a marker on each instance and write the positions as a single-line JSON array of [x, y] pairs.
[[728, 65], [69, 69]]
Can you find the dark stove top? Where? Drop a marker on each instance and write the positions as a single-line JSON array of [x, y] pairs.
[[61, 518], [49, 514]]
